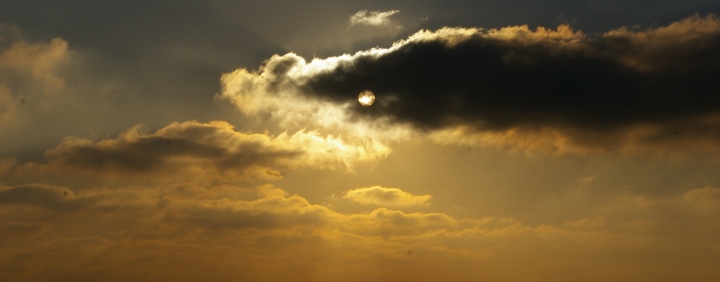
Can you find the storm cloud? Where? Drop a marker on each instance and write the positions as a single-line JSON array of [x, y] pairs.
[[497, 80]]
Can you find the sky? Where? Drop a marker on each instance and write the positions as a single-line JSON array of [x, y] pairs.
[[223, 140]]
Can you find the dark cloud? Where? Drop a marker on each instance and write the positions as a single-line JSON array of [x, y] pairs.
[[23, 228], [178, 147], [594, 89], [188, 151], [50, 197], [602, 83]]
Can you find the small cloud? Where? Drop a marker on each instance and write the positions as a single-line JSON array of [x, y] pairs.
[[27, 69], [374, 18], [705, 199], [381, 196]]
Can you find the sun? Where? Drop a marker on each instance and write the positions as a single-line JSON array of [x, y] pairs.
[[366, 98]]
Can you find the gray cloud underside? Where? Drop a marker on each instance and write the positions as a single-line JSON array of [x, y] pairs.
[[600, 84], [40, 195], [150, 153]]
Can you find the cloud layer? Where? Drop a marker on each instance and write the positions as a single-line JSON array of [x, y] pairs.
[[179, 203], [188, 231]]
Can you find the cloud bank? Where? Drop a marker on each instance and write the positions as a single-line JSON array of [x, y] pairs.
[[198, 151], [615, 90], [181, 197], [186, 229]]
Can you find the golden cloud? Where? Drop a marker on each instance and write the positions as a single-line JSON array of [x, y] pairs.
[[706, 199], [386, 197], [271, 93], [373, 18], [115, 232], [647, 49], [29, 71]]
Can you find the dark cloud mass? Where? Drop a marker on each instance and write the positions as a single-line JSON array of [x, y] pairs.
[[189, 151], [175, 147], [620, 79], [622, 89], [40, 195]]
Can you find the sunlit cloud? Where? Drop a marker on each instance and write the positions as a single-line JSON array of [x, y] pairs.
[[646, 49], [705, 200], [256, 226], [274, 93], [372, 18], [29, 73], [386, 197], [253, 226]]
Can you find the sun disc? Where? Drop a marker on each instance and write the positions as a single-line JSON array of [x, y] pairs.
[[366, 98]]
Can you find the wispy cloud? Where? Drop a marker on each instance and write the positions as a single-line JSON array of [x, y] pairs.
[[387, 197], [29, 71], [372, 18]]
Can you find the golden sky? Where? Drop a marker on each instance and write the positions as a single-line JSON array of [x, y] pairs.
[[224, 141]]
